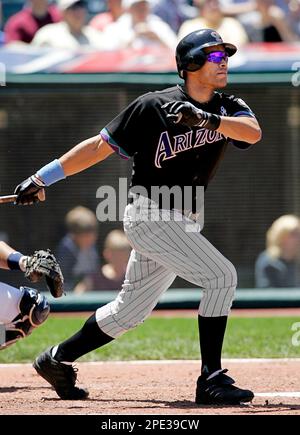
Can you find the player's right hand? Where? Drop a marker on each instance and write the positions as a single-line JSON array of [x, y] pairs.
[[30, 191], [184, 112]]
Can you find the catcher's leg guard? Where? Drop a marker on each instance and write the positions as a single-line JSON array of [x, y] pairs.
[[34, 310], [10, 333], [34, 305]]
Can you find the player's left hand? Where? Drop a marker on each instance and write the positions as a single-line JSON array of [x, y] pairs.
[[44, 264], [187, 114]]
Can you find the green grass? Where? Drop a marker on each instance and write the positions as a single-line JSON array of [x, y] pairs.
[[167, 338]]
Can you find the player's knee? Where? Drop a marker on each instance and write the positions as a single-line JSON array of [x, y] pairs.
[[226, 275], [230, 275], [34, 305]]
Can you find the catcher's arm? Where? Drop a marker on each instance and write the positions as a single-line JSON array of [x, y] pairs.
[[79, 158], [43, 264], [6, 252]]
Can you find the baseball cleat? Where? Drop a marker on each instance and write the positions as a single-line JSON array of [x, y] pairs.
[[219, 390], [61, 376]]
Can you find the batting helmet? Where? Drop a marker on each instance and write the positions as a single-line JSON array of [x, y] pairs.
[[190, 55]]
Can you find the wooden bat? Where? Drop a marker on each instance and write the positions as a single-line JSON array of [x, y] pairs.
[[8, 198]]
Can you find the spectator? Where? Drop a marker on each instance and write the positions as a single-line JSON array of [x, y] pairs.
[[278, 265], [111, 275], [138, 28], [114, 11], [24, 25], [268, 23], [173, 12], [77, 251], [211, 17], [293, 16], [71, 33], [234, 8]]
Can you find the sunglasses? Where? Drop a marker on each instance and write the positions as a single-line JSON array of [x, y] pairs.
[[217, 56]]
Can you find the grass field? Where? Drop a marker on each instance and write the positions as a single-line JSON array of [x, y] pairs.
[[167, 338]]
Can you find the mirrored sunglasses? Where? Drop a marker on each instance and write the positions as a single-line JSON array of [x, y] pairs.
[[217, 56]]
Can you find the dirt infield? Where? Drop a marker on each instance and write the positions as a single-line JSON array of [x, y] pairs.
[[151, 388]]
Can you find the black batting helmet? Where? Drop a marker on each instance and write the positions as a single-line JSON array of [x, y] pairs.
[[190, 55]]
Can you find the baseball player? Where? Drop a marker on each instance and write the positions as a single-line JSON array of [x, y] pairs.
[[176, 137], [21, 309]]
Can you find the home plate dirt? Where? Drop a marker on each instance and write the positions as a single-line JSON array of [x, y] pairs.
[[157, 387]]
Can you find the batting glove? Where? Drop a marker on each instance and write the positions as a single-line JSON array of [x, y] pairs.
[[30, 191], [187, 114]]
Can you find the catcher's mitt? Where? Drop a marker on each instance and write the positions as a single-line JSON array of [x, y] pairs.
[[44, 264]]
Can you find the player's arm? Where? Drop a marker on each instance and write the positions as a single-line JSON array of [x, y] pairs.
[[84, 155], [5, 251], [10, 258], [240, 128]]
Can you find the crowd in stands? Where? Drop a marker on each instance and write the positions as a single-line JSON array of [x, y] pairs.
[[85, 268], [73, 24], [77, 252], [89, 265], [279, 264]]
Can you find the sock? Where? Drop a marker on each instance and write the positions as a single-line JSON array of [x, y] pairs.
[[89, 338], [211, 333]]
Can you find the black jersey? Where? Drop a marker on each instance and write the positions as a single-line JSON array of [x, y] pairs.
[[168, 154]]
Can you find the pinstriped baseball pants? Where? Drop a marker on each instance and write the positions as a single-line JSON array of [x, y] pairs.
[[163, 249]]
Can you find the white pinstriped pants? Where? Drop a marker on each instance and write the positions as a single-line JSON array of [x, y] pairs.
[[161, 251]]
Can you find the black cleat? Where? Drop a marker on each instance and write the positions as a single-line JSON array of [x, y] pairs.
[[61, 376], [220, 390]]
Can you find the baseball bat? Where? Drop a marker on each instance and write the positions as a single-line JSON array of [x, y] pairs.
[[7, 198]]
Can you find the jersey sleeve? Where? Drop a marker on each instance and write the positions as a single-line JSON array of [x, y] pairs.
[[124, 133], [238, 107]]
